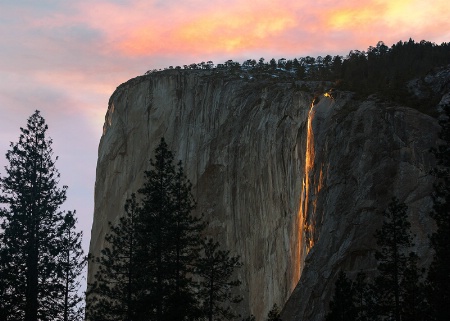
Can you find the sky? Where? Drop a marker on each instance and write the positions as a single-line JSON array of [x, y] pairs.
[[65, 58]]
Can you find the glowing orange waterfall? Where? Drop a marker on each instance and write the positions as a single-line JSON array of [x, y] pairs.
[[306, 185], [311, 187], [305, 239]]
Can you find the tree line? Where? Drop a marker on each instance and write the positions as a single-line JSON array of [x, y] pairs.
[[401, 291], [41, 258], [379, 69]]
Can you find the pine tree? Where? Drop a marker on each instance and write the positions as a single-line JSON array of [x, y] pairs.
[[73, 261], [32, 227], [118, 286], [9, 299], [439, 271], [274, 314], [158, 207], [362, 297], [171, 236], [187, 245], [397, 270], [215, 268], [145, 271], [342, 306], [352, 300], [415, 305]]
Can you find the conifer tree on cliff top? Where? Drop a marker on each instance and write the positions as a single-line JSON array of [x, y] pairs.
[[32, 274], [439, 271]]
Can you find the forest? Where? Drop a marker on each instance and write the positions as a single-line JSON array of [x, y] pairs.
[[379, 70]]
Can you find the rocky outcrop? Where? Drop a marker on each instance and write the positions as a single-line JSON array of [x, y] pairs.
[[365, 153], [293, 191], [435, 86]]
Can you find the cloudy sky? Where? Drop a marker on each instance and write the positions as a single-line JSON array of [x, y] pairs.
[[65, 58]]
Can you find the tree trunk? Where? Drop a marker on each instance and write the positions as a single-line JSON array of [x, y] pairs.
[[31, 295]]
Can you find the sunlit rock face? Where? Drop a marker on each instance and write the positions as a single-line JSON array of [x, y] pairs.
[[243, 147], [293, 190]]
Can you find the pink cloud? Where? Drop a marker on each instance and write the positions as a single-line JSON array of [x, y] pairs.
[[91, 47], [228, 27], [146, 28]]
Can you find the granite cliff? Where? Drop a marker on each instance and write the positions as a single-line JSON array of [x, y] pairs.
[[290, 180]]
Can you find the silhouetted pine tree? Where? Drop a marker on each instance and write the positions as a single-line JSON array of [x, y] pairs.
[[145, 271], [342, 306], [274, 314], [216, 268], [415, 305], [362, 298], [32, 276], [10, 301], [170, 237], [73, 261], [439, 271], [186, 248], [119, 283], [397, 270]]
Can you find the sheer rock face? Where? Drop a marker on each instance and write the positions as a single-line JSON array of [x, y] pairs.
[[246, 148], [365, 153], [242, 147]]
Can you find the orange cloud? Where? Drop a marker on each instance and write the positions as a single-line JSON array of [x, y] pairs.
[[146, 28], [383, 16], [226, 31], [137, 28], [232, 31], [349, 18]]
